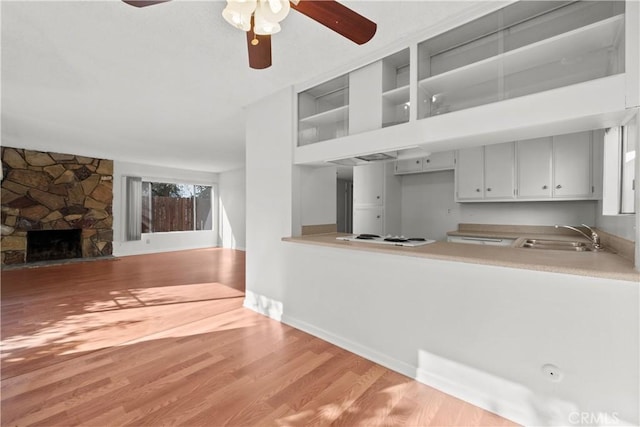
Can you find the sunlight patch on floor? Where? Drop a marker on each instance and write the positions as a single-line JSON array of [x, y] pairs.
[[96, 330], [142, 297]]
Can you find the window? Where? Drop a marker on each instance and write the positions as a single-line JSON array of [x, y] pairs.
[[176, 207], [620, 150]]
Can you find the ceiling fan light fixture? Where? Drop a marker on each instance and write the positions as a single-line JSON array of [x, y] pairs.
[[243, 6], [237, 20], [273, 10], [238, 13], [263, 26]]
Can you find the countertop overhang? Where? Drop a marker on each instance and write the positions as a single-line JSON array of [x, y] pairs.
[[591, 264]]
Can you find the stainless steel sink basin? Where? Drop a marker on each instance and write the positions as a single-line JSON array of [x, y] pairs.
[[557, 245]]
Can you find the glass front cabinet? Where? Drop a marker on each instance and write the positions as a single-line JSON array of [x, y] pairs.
[[524, 48]]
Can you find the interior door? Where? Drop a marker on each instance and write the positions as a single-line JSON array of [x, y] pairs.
[[344, 205]]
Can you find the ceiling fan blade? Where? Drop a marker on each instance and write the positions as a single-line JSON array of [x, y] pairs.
[[259, 49], [143, 3], [339, 18]]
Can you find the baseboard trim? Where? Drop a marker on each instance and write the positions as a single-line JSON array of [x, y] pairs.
[[494, 394], [353, 347], [263, 305]]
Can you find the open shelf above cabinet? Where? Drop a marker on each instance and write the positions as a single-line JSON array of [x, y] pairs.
[[326, 117], [323, 111], [564, 48], [524, 48], [396, 88], [398, 95]]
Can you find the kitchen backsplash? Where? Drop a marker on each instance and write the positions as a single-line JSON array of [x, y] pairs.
[[429, 209]]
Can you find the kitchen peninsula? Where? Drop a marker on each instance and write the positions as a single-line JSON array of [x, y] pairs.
[[614, 262]]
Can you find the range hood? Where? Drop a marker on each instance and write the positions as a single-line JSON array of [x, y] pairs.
[[366, 158], [376, 157]]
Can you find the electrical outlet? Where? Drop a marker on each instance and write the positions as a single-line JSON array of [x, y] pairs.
[[552, 372]]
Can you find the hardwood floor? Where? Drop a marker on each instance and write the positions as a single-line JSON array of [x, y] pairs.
[[163, 340]]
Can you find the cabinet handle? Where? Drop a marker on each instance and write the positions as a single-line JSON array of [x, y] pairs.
[[544, 187], [378, 216], [417, 162], [477, 190], [428, 160], [378, 197], [488, 189], [558, 186]]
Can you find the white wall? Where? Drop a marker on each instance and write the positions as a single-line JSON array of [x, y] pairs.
[[318, 195], [232, 187], [270, 199], [429, 209], [158, 242]]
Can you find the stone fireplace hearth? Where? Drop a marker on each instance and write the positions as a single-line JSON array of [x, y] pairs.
[[54, 191]]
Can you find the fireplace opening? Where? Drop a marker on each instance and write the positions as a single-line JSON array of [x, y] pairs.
[[46, 245]]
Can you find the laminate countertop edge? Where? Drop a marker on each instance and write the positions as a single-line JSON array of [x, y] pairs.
[[589, 264]]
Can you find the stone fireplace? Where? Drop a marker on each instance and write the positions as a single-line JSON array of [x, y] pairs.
[[55, 192]]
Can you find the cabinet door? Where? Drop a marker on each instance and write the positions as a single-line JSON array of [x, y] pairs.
[[438, 161], [533, 161], [572, 165], [499, 171], [408, 166], [365, 94], [368, 220], [368, 184], [470, 174]]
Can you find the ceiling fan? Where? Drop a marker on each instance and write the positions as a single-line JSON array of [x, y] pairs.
[[260, 19]]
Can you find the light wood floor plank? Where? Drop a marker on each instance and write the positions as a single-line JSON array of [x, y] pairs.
[[163, 339]]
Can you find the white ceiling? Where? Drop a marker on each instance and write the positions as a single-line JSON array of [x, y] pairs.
[[164, 84]]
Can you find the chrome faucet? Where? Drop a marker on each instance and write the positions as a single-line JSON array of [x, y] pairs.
[[594, 238]]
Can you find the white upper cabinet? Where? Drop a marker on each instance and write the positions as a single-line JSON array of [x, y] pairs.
[[406, 166], [485, 173], [470, 174], [433, 162], [499, 171], [443, 160], [534, 168], [572, 165], [561, 167], [558, 167]]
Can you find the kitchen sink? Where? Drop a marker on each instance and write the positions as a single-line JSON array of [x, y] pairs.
[[557, 245]]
